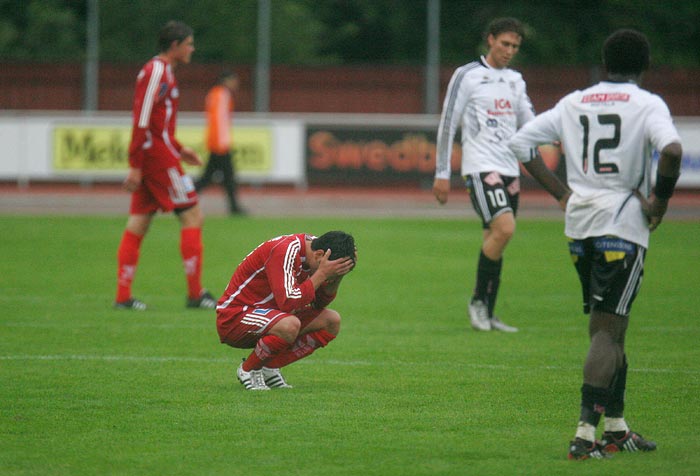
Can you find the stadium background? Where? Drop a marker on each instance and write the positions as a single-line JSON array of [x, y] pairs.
[[87, 390], [344, 88]]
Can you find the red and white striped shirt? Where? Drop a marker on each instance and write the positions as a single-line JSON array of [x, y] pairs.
[[156, 100], [274, 276]]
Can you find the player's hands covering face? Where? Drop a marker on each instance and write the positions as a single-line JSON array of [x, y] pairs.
[[335, 268]]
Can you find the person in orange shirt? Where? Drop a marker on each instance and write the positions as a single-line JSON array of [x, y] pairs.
[[219, 106]]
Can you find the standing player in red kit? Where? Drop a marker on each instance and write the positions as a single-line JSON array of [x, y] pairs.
[[276, 303], [156, 178]]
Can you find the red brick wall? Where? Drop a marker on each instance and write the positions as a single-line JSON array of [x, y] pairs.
[[38, 86], [343, 89]]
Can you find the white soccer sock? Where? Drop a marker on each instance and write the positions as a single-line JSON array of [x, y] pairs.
[[585, 431], [616, 424]]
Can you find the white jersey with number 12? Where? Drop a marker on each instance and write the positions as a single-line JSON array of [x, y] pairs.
[[608, 133]]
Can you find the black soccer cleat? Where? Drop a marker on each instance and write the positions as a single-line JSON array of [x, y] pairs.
[[580, 449], [131, 304], [204, 301], [631, 442]]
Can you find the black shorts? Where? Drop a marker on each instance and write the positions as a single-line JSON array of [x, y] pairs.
[[610, 270], [493, 194]]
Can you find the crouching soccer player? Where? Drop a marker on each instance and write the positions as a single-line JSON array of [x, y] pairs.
[[276, 303]]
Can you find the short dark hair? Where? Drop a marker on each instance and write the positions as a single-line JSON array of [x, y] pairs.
[[226, 75], [504, 25], [173, 31], [626, 52], [341, 244]]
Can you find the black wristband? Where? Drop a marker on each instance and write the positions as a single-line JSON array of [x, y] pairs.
[[665, 186]]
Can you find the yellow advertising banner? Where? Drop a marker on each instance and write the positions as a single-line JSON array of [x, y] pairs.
[[78, 148], [91, 148]]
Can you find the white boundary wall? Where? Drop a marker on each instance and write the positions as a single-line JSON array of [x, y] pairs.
[[27, 149], [27, 146]]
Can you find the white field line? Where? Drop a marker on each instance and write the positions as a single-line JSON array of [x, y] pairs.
[[200, 325], [348, 363], [98, 325]]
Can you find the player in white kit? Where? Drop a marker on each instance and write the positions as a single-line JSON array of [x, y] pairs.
[[488, 102], [608, 133]]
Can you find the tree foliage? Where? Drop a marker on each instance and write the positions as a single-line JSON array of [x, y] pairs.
[[317, 32], [42, 30]]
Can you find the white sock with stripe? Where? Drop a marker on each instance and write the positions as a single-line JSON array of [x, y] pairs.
[[585, 431], [616, 424]]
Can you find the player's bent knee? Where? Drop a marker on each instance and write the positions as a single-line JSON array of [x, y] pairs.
[[332, 321], [287, 328]]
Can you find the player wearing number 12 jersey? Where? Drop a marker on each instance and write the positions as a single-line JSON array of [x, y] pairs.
[[608, 133], [488, 102]]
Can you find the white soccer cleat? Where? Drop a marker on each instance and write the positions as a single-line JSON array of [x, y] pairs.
[[252, 380], [274, 379], [498, 325], [479, 315]]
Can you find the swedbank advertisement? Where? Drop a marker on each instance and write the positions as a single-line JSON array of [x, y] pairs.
[[363, 155], [94, 149]]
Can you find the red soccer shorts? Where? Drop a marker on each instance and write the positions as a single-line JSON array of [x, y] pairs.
[[243, 329], [163, 188]]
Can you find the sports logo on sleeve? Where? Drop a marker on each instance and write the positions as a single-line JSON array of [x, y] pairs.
[[162, 90]]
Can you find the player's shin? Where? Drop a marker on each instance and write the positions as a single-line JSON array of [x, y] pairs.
[[594, 401], [191, 249], [303, 347], [487, 280], [614, 419], [266, 349], [127, 259]]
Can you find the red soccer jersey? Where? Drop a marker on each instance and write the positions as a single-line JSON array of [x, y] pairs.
[[156, 100], [273, 275]]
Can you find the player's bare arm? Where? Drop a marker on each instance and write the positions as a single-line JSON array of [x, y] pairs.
[[441, 189], [667, 174], [189, 156], [550, 182]]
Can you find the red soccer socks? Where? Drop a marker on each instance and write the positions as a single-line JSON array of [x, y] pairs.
[[302, 347], [266, 348], [191, 249], [127, 259]]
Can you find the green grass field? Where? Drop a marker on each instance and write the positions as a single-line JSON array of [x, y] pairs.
[[406, 389]]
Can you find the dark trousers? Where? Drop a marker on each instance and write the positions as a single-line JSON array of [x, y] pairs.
[[220, 170]]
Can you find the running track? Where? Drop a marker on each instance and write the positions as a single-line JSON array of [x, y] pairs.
[[270, 201]]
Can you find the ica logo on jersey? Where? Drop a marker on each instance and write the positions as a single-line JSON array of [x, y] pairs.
[[501, 104], [501, 107]]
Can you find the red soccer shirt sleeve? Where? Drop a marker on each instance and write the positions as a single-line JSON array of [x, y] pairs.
[[147, 85], [176, 144], [323, 297], [281, 269]]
